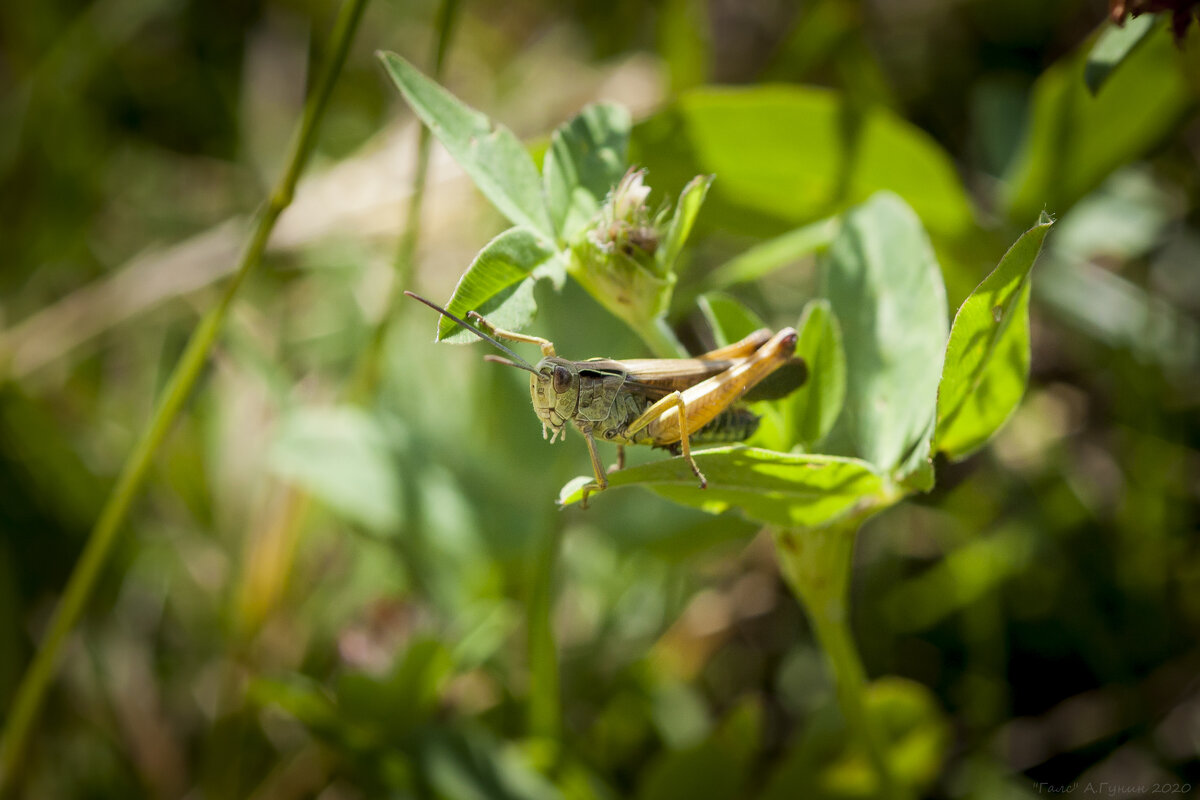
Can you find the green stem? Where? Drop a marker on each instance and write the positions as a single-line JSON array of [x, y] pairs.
[[817, 565], [661, 340], [368, 374], [545, 712], [36, 680]]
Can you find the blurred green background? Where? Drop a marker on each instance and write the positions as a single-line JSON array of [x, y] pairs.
[[322, 599]]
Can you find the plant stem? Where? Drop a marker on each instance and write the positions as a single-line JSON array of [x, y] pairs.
[[254, 600], [661, 340], [368, 373], [817, 565], [36, 680]]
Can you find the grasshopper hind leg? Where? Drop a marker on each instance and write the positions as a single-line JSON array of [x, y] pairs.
[[674, 399], [655, 412]]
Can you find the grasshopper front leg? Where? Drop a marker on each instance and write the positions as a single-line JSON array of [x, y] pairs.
[[546, 345]]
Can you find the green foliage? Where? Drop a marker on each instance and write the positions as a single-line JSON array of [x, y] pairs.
[[717, 768], [339, 455], [1073, 140], [878, 352], [1125, 219], [622, 263], [394, 707], [987, 358], [776, 488], [791, 155], [963, 578], [680, 226], [587, 157], [387, 727], [729, 319], [684, 41], [814, 408], [349, 577], [763, 259], [885, 287], [472, 765], [826, 762], [499, 283], [491, 154]]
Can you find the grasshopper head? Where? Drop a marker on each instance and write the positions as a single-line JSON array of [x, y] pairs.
[[553, 383], [555, 392]]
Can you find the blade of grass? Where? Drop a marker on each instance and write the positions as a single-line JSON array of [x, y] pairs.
[[366, 379], [293, 512], [28, 699], [255, 599], [545, 687]]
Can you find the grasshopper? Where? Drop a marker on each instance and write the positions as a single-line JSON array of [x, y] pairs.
[[663, 402]]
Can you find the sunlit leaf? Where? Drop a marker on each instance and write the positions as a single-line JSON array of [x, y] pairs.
[[494, 158], [728, 317], [678, 709], [815, 406], [499, 284], [789, 155], [773, 254], [587, 157], [630, 291], [987, 358], [680, 227], [883, 283], [779, 488], [1126, 218]]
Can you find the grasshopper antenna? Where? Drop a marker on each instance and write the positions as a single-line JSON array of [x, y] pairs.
[[518, 362], [498, 360]]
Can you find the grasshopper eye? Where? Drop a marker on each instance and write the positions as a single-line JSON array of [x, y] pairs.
[[562, 379]]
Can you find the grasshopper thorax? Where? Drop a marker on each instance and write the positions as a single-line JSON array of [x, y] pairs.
[[554, 389]]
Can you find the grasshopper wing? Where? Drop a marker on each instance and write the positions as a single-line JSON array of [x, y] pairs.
[[665, 375]]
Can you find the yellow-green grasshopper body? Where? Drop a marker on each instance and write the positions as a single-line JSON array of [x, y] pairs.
[[661, 402]]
